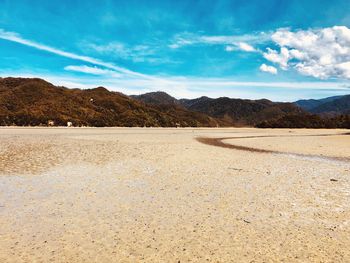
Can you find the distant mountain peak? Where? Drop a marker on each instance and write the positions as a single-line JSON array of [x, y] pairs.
[[330, 105], [156, 98]]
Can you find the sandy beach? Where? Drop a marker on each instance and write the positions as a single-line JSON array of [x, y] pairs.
[[163, 195]]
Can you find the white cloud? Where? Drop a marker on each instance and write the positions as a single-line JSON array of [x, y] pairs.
[[235, 39], [269, 69], [246, 47], [278, 58], [344, 67], [238, 42], [174, 46], [93, 70], [138, 53], [181, 41], [230, 48], [242, 46], [321, 53], [112, 47]]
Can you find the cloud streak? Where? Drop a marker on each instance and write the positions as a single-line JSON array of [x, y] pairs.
[[137, 53], [93, 70], [14, 37], [239, 42]]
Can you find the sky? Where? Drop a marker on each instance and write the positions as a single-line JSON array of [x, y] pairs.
[[283, 50]]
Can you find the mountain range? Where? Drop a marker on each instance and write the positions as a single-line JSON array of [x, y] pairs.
[[34, 102], [37, 102], [331, 106], [237, 112]]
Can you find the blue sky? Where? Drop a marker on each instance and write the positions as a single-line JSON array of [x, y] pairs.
[[280, 50]]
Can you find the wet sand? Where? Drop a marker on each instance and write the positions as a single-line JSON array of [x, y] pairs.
[[162, 195], [293, 147]]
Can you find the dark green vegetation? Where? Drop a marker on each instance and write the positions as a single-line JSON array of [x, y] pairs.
[[331, 112], [259, 113], [34, 102], [156, 98], [241, 112], [329, 106], [308, 121], [236, 112]]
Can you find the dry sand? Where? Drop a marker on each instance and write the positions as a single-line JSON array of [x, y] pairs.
[[159, 195]]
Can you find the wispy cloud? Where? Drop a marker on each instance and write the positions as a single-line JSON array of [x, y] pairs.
[[93, 70], [137, 53], [243, 42], [242, 46], [150, 53], [230, 48], [14, 37]]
